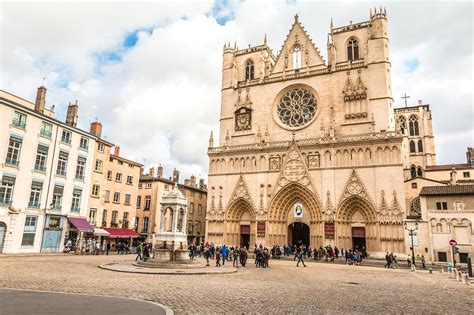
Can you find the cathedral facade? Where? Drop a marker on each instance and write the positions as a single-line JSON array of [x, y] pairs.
[[310, 151]]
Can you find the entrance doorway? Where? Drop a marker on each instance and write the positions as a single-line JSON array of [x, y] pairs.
[[3, 230], [358, 238], [245, 236], [298, 234]]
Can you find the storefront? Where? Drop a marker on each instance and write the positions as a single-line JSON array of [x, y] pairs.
[[101, 235], [79, 229], [118, 235], [53, 232]]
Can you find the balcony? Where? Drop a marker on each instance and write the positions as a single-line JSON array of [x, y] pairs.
[[84, 147], [45, 133], [61, 173], [12, 162], [5, 203], [33, 205], [40, 168], [18, 123], [56, 208]]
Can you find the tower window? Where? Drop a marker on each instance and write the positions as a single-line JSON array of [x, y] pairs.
[[296, 58], [352, 50], [420, 146], [403, 124], [412, 147], [249, 70], [414, 130], [413, 171], [420, 172]]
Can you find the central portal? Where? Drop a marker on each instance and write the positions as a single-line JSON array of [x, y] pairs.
[[298, 234]]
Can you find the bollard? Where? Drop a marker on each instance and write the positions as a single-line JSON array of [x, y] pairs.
[[431, 270], [459, 276], [454, 273], [442, 269]]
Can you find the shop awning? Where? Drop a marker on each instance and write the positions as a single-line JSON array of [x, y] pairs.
[[121, 233], [101, 232], [81, 224]]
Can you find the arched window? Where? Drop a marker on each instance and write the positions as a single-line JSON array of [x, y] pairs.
[[403, 124], [249, 70], [413, 171], [420, 172], [296, 58], [412, 147], [352, 50], [420, 146], [414, 131]]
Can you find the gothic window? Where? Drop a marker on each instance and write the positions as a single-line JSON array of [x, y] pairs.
[[297, 107], [413, 171], [296, 58], [420, 146], [243, 119], [412, 147], [403, 124], [420, 172], [249, 70], [414, 131], [352, 50], [415, 208]]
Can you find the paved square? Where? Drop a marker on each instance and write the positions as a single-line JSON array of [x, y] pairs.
[[283, 288]]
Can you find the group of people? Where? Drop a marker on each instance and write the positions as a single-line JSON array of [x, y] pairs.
[[143, 251], [91, 246]]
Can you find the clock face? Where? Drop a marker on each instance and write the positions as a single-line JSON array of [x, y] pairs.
[[242, 121]]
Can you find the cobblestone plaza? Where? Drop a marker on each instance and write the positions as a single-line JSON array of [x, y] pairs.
[[282, 288]]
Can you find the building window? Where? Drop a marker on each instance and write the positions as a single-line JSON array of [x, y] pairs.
[[19, 120], [198, 227], [6, 190], [76, 200], [140, 186], [414, 185], [199, 209], [413, 124], [98, 166], [403, 124], [127, 199], [145, 224], [35, 194], [296, 58], [466, 174], [95, 190], [62, 163], [249, 70], [118, 177], [420, 146], [116, 197], [442, 256], [412, 147], [29, 231], [46, 129], [84, 143], [41, 158], [191, 208], [413, 171], [66, 137], [106, 195], [113, 221], [92, 212], [100, 147], [125, 220], [13, 152], [352, 50], [147, 202], [57, 197], [104, 218], [109, 175], [167, 187], [190, 228], [80, 168], [148, 185], [419, 172], [441, 206], [130, 180], [139, 201]]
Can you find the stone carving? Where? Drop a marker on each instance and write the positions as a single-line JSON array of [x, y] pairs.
[[329, 209], [241, 190], [396, 209], [415, 209], [274, 163], [383, 205], [313, 160], [297, 107], [355, 96], [294, 169], [355, 187]]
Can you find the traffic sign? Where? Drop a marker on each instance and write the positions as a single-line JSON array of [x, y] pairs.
[[453, 243]]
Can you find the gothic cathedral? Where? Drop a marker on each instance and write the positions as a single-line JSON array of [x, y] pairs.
[[308, 150]]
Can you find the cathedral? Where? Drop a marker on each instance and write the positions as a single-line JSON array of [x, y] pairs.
[[312, 151]]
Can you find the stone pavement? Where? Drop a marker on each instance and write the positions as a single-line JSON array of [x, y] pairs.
[[282, 288], [132, 268]]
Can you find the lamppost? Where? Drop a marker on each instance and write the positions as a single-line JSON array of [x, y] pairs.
[[411, 233]]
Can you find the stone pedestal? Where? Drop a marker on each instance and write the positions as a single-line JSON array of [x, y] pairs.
[[163, 254], [181, 255]]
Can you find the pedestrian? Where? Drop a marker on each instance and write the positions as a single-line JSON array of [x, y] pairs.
[[409, 261], [108, 247], [236, 254], [387, 258], [139, 252], [218, 257], [423, 261], [243, 256], [299, 253]]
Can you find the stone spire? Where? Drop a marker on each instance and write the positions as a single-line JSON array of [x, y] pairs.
[[211, 140]]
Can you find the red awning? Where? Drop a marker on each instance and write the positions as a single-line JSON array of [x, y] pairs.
[[121, 233], [81, 224]]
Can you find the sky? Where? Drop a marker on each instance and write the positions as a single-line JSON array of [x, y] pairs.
[[150, 72]]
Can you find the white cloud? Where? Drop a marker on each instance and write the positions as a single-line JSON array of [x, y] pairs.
[[160, 98]]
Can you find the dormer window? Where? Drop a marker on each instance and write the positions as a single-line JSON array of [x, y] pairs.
[[352, 50], [296, 58], [249, 70]]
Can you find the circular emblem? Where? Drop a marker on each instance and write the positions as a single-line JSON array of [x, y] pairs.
[[294, 170], [298, 210], [297, 107]]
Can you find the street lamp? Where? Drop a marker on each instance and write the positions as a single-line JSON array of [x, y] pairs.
[[411, 233]]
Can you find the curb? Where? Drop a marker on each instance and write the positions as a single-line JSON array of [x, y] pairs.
[[104, 267]]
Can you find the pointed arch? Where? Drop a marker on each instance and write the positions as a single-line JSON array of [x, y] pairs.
[[355, 204], [238, 207], [353, 49], [249, 70]]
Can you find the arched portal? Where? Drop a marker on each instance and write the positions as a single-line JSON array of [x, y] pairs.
[[298, 234], [240, 223], [282, 213]]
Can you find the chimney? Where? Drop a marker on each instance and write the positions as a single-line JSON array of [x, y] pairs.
[[96, 129], [201, 183], [40, 99], [160, 171], [71, 116], [187, 182], [470, 156], [152, 171], [117, 150], [193, 181], [175, 176], [420, 102]]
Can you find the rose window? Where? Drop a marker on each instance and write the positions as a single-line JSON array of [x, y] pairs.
[[297, 107]]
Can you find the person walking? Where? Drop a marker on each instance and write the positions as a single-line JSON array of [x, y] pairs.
[[218, 257], [243, 256], [139, 251], [107, 247], [299, 254], [236, 256], [409, 261], [387, 258], [423, 261]]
